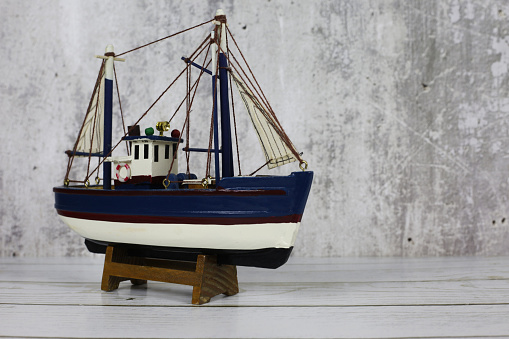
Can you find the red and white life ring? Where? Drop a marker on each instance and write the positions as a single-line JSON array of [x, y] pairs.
[[119, 172]]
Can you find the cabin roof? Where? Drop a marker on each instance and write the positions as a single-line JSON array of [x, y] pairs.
[[152, 137]]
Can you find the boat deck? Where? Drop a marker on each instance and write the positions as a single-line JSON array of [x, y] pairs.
[[466, 297]]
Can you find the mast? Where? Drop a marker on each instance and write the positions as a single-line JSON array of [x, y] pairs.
[[226, 138], [214, 98], [108, 113]]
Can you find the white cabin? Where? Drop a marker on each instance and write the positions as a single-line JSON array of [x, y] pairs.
[[149, 161]]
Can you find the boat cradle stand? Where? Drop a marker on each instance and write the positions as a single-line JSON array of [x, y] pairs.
[[205, 275]]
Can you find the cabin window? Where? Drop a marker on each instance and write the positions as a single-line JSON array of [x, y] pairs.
[[145, 151], [136, 152], [167, 152], [156, 153], [174, 149]]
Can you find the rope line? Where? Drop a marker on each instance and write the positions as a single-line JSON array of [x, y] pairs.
[[97, 84], [279, 143], [120, 105], [262, 166], [188, 111], [233, 108], [263, 110], [214, 95], [166, 37], [187, 115], [279, 130], [93, 131], [136, 123], [183, 100]]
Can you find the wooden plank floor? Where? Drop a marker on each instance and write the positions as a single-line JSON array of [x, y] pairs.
[[465, 297]]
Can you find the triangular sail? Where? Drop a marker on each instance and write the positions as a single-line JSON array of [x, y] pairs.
[[90, 139], [276, 146]]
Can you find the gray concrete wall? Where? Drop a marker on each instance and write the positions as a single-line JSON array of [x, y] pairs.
[[400, 108]]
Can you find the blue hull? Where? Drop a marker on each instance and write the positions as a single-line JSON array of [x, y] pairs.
[[236, 201]]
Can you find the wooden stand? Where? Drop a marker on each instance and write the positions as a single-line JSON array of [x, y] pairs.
[[205, 275]]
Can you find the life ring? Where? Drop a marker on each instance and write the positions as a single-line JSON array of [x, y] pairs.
[[127, 171]]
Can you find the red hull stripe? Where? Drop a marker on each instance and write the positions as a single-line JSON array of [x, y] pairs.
[[148, 219], [181, 192]]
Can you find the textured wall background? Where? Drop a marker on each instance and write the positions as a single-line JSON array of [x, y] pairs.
[[400, 107]]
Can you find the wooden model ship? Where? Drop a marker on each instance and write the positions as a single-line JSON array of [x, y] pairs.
[[157, 211]]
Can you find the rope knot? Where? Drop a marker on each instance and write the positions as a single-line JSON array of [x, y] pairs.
[[221, 18]]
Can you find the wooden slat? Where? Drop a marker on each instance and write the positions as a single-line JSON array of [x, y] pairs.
[[297, 270], [307, 298], [254, 322], [156, 273], [264, 294]]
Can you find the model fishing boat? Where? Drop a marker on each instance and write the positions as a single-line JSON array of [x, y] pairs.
[[157, 210]]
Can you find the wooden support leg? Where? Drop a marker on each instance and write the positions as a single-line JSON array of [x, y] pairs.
[[206, 276], [110, 281], [213, 280]]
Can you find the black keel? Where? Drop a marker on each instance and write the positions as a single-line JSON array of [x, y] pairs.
[[262, 258]]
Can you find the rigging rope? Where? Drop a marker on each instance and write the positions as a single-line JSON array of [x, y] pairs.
[[233, 108], [142, 116], [214, 95], [93, 134], [262, 166], [252, 74], [265, 111], [265, 108], [97, 179], [188, 111], [201, 45], [120, 105], [183, 100], [190, 105], [255, 98], [280, 129], [71, 159], [211, 133], [167, 37]]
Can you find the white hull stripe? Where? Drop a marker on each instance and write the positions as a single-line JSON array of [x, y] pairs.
[[228, 237]]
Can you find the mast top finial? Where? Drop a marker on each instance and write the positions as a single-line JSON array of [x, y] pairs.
[[220, 16], [109, 49]]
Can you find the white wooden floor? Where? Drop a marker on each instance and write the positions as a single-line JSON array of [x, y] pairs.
[[465, 297]]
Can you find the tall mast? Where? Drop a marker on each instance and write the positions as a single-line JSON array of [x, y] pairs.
[[226, 138], [108, 113], [214, 113]]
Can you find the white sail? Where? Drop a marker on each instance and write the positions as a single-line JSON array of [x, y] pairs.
[[90, 139], [277, 151]]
